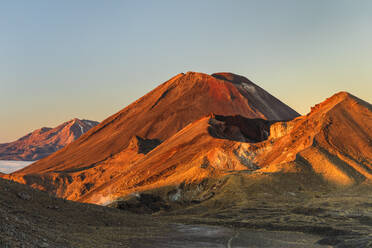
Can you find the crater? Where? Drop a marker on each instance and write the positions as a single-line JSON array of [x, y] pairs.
[[239, 128]]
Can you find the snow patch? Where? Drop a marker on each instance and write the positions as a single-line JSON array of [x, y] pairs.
[[88, 123], [81, 128], [250, 88]]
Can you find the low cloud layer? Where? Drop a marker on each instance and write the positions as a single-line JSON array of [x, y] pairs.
[[9, 166]]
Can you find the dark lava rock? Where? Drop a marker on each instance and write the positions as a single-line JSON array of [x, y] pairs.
[[24, 196]]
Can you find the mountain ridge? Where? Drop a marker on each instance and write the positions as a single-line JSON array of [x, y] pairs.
[[44, 141]]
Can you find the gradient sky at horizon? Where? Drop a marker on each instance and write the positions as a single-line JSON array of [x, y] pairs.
[[89, 59]]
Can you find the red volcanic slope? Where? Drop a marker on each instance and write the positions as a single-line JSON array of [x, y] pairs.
[[163, 112], [44, 141], [333, 140]]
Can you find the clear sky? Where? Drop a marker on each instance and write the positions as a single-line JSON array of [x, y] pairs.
[[89, 59]]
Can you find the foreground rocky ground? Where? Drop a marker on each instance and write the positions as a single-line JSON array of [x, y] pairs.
[[231, 218]]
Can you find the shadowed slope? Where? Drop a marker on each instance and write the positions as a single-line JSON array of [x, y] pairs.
[[258, 98], [34, 219]]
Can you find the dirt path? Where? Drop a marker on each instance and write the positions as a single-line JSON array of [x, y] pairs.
[[231, 239], [186, 236]]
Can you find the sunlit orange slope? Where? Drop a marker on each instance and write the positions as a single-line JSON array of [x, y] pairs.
[[333, 140]]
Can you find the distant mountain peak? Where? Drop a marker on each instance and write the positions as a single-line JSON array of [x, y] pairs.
[[44, 141], [341, 97]]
